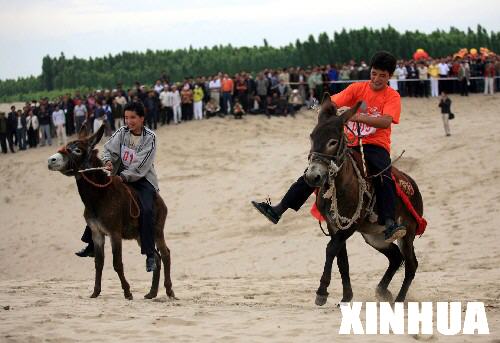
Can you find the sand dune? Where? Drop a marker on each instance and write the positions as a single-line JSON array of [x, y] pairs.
[[238, 277]]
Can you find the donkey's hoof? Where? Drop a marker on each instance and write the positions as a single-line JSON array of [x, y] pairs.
[[171, 295], [399, 299], [151, 295], [347, 298], [129, 296], [321, 299], [384, 295], [95, 294]]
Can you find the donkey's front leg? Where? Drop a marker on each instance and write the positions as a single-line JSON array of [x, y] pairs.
[[98, 239], [116, 246], [343, 264], [155, 281], [332, 249]]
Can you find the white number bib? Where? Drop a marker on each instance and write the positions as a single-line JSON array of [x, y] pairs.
[[364, 130], [128, 156]]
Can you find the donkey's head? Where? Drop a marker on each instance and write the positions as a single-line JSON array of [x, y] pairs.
[[77, 154], [328, 141]]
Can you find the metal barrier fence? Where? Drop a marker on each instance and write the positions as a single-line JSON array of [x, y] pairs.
[[404, 80]]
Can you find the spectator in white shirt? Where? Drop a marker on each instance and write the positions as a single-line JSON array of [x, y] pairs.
[[32, 127], [158, 87], [214, 87], [80, 113], [401, 72], [169, 103], [59, 121], [444, 69], [163, 102], [176, 105], [423, 85]]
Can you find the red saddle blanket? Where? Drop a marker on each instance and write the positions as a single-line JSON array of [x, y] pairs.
[[403, 189]]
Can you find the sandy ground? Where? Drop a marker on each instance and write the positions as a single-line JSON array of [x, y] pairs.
[[238, 277]]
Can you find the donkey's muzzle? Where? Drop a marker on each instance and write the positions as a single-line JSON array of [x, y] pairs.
[[315, 175], [56, 162]]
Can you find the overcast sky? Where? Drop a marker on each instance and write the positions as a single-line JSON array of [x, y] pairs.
[[31, 29]]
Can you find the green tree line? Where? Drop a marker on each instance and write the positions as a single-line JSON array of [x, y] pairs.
[[60, 72]]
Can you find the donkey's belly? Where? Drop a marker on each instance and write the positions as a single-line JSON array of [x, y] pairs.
[[97, 226], [130, 231], [373, 234]]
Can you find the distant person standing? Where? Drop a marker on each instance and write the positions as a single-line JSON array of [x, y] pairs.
[[497, 69], [463, 78], [21, 130], [198, 102], [32, 126], [98, 116], [401, 72], [164, 105], [227, 94], [412, 84], [150, 105], [434, 75], [444, 70], [423, 75], [169, 103], [3, 132], [11, 128], [489, 77], [117, 114], [187, 102], [80, 113], [176, 105], [445, 104], [59, 120], [44, 120], [214, 87], [262, 88]]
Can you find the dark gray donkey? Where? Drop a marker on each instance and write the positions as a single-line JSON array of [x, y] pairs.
[[110, 209], [345, 199]]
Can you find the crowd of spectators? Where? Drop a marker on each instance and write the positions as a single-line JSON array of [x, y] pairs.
[[272, 92]]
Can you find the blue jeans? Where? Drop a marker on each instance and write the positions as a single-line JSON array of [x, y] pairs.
[[21, 138], [79, 122], [45, 130], [227, 97]]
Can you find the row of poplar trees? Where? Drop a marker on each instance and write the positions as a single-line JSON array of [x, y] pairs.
[[104, 72]]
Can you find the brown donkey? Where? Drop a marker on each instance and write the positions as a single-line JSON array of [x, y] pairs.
[[347, 206], [111, 209]]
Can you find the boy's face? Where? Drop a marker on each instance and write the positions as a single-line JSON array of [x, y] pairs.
[[133, 121], [379, 79]]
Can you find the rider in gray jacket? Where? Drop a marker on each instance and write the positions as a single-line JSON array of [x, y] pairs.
[[130, 153]]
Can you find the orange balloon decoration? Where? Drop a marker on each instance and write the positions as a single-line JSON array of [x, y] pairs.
[[420, 54]]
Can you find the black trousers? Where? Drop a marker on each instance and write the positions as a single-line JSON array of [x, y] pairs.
[[170, 114], [12, 140], [146, 194], [152, 120], [3, 142], [377, 159], [464, 88], [32, 137]]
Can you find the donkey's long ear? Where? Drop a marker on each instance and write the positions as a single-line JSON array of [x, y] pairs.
[[350, 112], [83, 131], [327, 109], [96, 137], [326, 97]]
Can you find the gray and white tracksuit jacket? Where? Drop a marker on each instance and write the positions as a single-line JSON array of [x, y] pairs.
[[138, 160]]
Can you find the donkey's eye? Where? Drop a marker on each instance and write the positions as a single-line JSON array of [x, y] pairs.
[[77, 151], [332, 143]]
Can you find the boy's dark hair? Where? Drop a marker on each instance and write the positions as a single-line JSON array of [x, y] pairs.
[[135, 107], [383, 60]]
